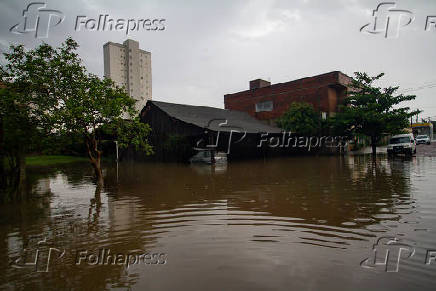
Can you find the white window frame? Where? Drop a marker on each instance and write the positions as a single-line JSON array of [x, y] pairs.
[[264, 106]]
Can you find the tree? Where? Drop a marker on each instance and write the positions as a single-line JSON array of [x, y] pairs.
[[300, 118], [17, 132], [130, 133], [63, 98], [373, 111]]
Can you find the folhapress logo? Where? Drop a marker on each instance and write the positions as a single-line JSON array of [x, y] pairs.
[[387, 252], [387, 20], [223, 127], [38, 20]]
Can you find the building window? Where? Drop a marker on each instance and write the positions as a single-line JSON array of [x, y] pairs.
[[324, 115], [264, 106]]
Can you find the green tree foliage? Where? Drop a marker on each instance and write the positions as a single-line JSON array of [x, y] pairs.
[[373, 111], [300, 118], [17, 132], [62, 98], [130, 133]]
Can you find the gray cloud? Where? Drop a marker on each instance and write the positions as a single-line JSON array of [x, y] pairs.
[[209, 48]]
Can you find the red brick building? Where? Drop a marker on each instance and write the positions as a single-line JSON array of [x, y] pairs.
[[268, 102]]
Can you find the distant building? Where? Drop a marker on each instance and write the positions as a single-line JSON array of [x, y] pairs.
[[266, 101], [129, 66]]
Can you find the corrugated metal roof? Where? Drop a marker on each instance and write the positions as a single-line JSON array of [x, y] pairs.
[[216, 119]]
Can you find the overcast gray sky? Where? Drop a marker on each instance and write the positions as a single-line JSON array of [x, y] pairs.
[[210, 48]]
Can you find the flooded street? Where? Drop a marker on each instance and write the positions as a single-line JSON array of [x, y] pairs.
[[303, 223]]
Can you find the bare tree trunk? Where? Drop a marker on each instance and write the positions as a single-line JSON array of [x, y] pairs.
[[21, 160], [95, 158], [17, 176], [98, 172], [374, 146], [22, 175]]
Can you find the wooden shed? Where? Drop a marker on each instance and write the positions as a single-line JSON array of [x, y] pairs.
[[179, 129]]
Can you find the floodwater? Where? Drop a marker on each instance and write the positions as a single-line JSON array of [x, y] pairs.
[[306, 223]]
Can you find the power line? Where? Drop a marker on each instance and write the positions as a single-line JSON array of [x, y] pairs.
[[424, 86]]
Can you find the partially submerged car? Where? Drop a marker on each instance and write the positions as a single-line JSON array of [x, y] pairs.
[[423, 139], [209, 157], [402, 144]]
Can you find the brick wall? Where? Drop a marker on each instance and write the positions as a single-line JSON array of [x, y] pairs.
[[325, 92]]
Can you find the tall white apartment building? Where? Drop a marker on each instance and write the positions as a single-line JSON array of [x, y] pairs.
[[129, 66]]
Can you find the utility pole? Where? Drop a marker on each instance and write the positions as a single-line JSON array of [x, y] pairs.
[[116, 149]]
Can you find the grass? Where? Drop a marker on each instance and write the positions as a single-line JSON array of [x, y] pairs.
[[53, 160]]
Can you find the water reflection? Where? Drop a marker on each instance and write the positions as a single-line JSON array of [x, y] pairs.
[[230, 225]]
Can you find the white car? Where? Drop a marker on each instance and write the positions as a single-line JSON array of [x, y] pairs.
[[423, 139], [402, 144], [205, 157]]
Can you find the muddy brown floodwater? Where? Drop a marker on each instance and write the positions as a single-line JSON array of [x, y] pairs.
[[310, 223]]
